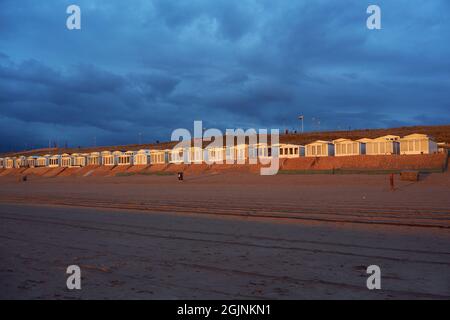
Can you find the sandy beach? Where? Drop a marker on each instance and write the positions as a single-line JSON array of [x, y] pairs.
[[225, 236]]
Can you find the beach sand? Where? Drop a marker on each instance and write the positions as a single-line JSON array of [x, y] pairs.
[[225, 236]]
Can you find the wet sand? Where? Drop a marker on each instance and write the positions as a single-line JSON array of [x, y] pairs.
[[225, 236]]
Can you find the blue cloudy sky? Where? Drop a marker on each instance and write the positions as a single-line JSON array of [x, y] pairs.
[[150, 66]]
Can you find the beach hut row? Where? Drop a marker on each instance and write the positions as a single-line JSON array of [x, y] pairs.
[[239, 153], [386, 145]]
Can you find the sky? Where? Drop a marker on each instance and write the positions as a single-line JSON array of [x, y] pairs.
[[139, 69]]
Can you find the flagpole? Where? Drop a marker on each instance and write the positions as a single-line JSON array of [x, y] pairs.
[[302, 118]]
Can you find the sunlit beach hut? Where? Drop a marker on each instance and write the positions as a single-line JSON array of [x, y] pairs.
[[42, 161], [79, 160], [215, 154], [286, 150], [32, 161], [237, 153], [116, 154], [108, 158], [10, 162], [66, 160], [142, 157], [125, 158], [159, 156], [252, 151], [385, 145], [95, 159], [441, 147], [178, 155], [54, 161], [21, 162], [320, 148], [263, 150], [241, 152], [195, 155], [418, 143], [347, 147]]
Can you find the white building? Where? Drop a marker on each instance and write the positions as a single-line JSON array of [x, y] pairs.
[[66, 160], [125, 158], [347, 147], [178, 155], [95, 159], [241, 152], [441, 147], [386, 145], [21, 162], [159, 156], [195, 155], [32, 161], [418, 143], [320, 148], [215, 154], [2, 163], [54, 161], [79, 160], [42, 161], [108, 158], [142, 158], [287, 150], [10, 162]]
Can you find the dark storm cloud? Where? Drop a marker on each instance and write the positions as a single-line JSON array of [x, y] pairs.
[[147, 67]]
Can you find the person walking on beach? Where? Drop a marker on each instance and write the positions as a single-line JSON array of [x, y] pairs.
[[391, 180]]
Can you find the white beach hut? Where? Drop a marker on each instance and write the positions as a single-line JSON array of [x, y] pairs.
[[21, 162], [263, 150], [215, 154], [286, 150], [385, 145], [441, 147], [241, 152], [42, 161], [54, 161], [66, 160], [32, 161], [10, 162], [418, 143], [79, 160], [116, 154], [347, 147], [2, 163], [159, 156], [195, 155], [319, 148], [178, 155], [142, 157], [95, 159], [125, 158], [108, 158]]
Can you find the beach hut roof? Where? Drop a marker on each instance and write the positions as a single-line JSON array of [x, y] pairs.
[[417, 136], [321, 142], [341, 140], [388, 137]]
